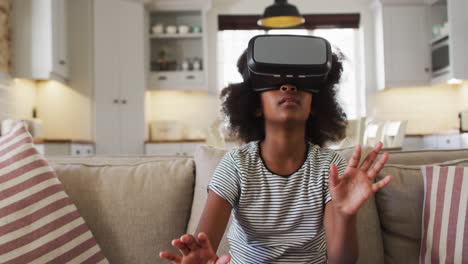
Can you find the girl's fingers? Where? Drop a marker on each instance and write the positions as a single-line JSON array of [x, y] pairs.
[[378, 166], [189, 242], [170, 256], [382, 183], [181, 246], [371, 157], [224, 259], [354, 161], [333, 177], [204, 241]]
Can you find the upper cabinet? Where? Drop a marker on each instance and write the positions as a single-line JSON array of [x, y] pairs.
[[39, 35], [177, 44], [448, 25], [402, 49]]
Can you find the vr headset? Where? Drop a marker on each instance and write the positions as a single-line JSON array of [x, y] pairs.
[[274, 60]]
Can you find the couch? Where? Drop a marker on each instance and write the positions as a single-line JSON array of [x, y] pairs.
[[136, 205]]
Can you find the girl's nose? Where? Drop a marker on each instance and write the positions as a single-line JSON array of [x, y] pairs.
[[288, 88]]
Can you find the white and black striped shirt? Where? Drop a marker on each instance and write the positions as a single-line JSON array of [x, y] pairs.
[[277, 219]]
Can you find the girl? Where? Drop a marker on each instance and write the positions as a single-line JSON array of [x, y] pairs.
[[292, 201]]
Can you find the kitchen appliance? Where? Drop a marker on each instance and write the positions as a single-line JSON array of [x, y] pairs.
[[440, 57], [463, 117]]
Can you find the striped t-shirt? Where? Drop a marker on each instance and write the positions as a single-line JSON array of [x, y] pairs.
[[277, 219]]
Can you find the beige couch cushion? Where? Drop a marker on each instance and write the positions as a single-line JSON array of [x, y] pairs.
[[420, 157], [206, 161], [400, 210], [134, 206], [370, 240]]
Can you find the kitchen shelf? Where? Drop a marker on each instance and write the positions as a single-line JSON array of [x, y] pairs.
[[439, 38], [177, 80], [176, 36], [169, 51]]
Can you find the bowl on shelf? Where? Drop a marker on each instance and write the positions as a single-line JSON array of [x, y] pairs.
[[184, 29], [158, 29], [196, 29], [171, 29]]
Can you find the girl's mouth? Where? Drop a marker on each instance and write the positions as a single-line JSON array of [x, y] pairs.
[[289, 100]]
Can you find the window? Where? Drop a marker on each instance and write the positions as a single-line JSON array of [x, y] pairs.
[[231, 44]]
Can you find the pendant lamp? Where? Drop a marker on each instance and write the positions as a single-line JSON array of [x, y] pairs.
[[281, 15]]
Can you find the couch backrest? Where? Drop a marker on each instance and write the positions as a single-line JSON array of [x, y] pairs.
[[134, 206], [420, 157]]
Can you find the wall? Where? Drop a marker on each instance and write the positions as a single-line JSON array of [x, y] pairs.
[[194, 110], [463, 99], [427, 109], [17, 98], [65, 111], [5, 43]]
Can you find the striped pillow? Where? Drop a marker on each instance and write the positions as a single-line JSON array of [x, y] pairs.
[[445, 225], [38, 222]]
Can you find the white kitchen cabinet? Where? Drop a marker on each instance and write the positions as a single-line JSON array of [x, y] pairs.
[[172, 56], [177, 80], [436, 141], [39, 39], [172, 149], [453, 13], [65, 149], [402, 45], [119, 76]]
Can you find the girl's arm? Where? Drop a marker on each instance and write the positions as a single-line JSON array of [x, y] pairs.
[[348, 193], [214, 218], [341, 235]]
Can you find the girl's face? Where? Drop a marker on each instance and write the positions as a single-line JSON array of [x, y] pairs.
[[286, 105]]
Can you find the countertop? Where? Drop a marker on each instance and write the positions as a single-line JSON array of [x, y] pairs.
[[62, 141], [175, 140], [448, 132]]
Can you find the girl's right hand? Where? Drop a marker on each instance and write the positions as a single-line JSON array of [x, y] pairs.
[[194, 251]]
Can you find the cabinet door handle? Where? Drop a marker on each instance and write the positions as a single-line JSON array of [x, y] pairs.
[[62, 62], [162, 78], [116, 101], [426, 69], [190, 77], [124, 101]]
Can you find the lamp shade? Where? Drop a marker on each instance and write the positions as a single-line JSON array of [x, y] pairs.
[[281, 15]]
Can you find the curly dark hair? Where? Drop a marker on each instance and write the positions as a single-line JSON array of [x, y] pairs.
[[327, 123]]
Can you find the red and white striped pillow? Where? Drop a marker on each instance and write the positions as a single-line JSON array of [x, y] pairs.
[[445, 224], [38, 221]]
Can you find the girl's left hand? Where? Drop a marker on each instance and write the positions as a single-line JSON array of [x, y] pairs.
[[350, 191]]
